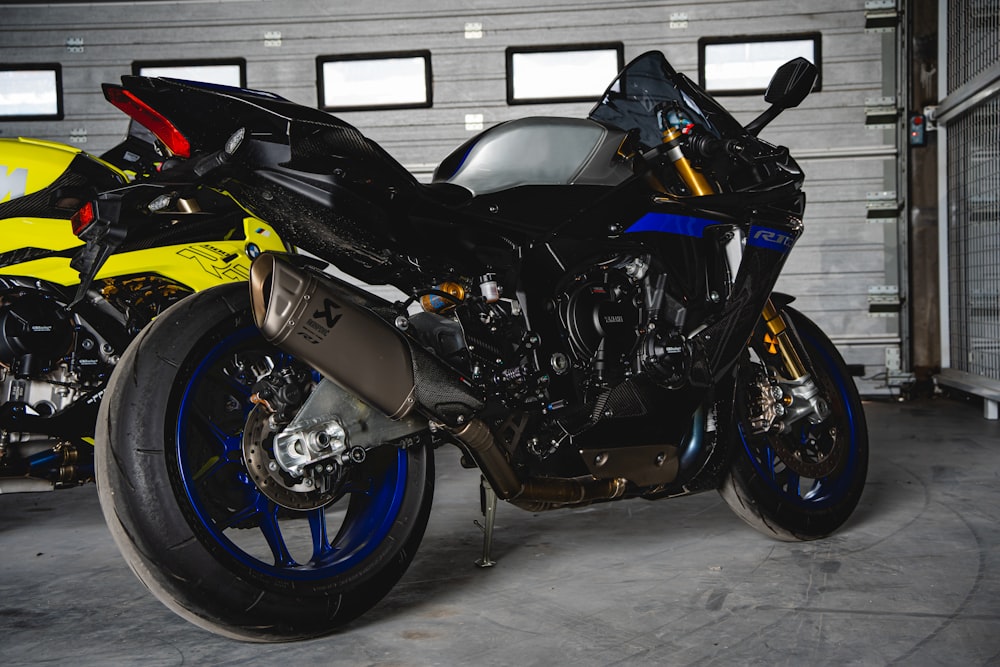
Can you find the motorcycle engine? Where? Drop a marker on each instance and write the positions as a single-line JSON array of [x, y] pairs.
[[618, 328], [601, 313], [49, 358]]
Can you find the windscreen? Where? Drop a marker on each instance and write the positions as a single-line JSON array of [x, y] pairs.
[[648, 84]]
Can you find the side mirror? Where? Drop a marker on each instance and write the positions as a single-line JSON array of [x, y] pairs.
[[791, 83]]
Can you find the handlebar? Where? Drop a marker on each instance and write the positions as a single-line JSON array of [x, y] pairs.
[[708, 147]]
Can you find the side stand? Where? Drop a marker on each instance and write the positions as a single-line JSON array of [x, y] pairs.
[[488, 506]]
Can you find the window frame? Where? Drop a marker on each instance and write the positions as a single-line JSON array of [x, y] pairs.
[[241, 63], [425, 54], [56, 69], [704, 42], [617, 47]]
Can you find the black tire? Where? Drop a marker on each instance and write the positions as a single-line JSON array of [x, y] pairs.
[[806, 486], [189, 520]]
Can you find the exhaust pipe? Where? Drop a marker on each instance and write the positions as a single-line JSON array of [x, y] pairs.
[[330, 324], [334, 327], [536, 494], [323, 324]]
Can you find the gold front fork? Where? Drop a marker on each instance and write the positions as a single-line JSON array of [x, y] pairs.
[[695, 180], [779, 331], [699, 186]]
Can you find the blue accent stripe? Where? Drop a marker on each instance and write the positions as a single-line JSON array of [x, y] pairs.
[[770, 239], [672, 224]]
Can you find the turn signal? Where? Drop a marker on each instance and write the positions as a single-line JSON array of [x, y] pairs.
[[82, 218]]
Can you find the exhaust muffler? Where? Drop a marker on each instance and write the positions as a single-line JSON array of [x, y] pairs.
[[334, 327], [325, 326]]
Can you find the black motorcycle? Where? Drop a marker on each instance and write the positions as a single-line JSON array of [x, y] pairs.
[[590, 318]]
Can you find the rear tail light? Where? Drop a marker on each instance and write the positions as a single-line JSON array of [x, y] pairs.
[[150, 118], [82, 218]]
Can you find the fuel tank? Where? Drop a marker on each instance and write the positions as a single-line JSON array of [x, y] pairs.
[[537, 151]]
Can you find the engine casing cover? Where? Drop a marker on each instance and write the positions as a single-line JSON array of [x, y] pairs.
[[35, 333]]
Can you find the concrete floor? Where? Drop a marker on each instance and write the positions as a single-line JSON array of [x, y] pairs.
[[913, 579]]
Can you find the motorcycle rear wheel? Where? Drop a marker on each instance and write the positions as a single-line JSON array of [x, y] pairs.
[[801, 485], [189, 519]]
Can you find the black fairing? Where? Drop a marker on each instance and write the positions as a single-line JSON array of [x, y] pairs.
[[208, 114], [316, 178]]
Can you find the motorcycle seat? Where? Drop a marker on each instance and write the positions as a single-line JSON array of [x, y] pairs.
[[448, 194]]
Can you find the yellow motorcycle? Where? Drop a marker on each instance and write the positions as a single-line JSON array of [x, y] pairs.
[[57, 347]]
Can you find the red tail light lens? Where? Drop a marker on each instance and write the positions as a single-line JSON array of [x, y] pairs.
[[149, 117], [82, 218]]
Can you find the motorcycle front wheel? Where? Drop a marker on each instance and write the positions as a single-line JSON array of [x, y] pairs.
[[189, 518], [804, 482]]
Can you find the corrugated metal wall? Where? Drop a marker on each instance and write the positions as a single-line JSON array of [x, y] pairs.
[[844, 257]]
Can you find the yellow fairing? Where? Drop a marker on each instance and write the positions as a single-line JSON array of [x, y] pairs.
[[30, 165], [196, 265], [44, 233]]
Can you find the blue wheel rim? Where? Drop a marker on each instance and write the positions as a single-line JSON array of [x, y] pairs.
[[801, 491], [236, 516]]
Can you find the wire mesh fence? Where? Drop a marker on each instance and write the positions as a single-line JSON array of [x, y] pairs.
[[974, 193]]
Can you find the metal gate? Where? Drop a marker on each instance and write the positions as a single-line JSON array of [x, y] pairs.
[[969, 174]]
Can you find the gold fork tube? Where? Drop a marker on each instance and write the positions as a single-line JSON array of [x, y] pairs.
[[695, 180], [777, 327]]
